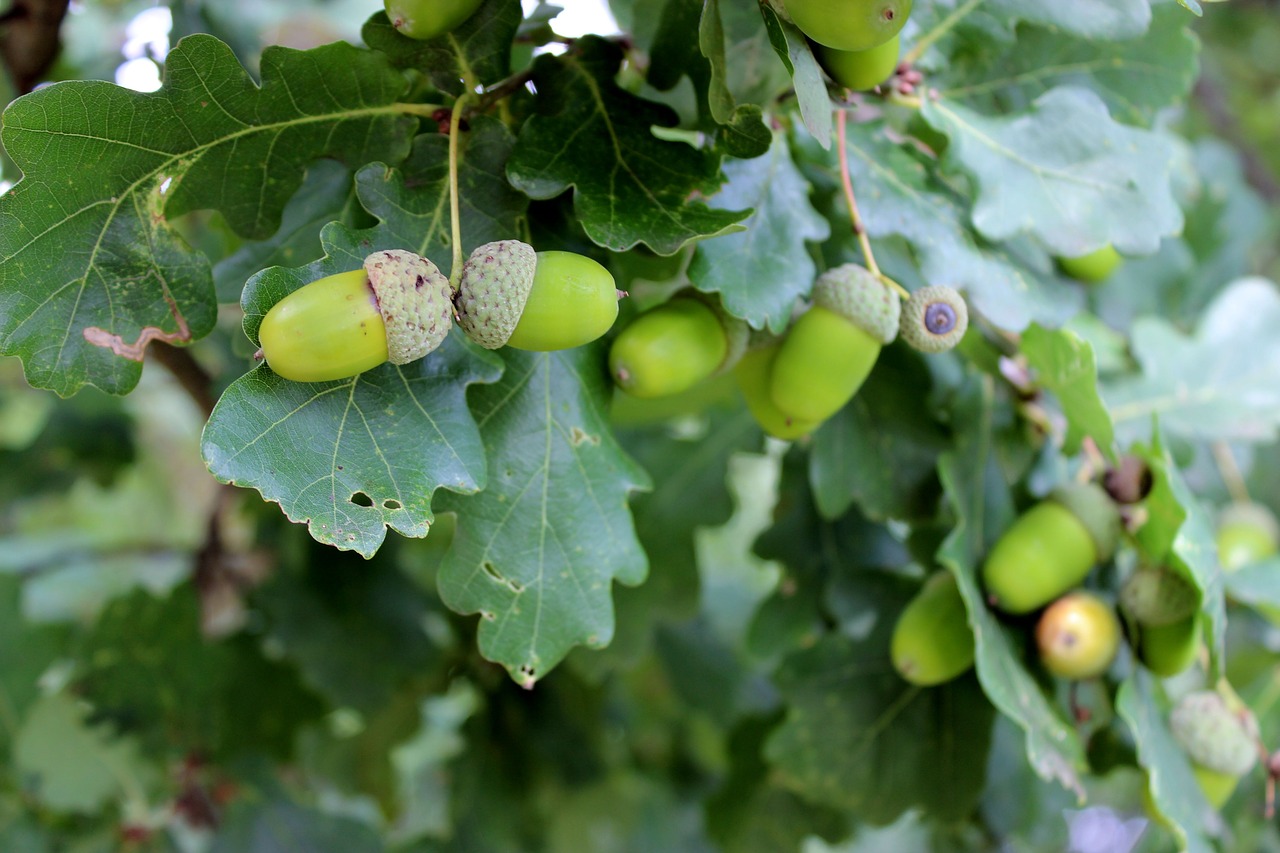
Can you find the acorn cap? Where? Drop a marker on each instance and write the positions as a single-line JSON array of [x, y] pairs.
[[854, 293], [493, 290], [934, 319], [1214, 735], [1159, 596], [415, 300], [1095, 510], [1250, 514]]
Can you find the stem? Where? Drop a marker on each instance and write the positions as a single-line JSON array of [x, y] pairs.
[[424, 110], [944, 26], [859, 230], [1230, 472], [455, 216]]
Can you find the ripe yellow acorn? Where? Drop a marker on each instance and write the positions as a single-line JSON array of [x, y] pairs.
[[932, 642], [397, 308], [1078, 636]]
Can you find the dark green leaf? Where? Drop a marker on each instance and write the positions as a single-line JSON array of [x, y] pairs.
[[85, 248], [536, 552], [476, 52], [760, 272], [277, 825], [859, 737], [629, 186], [25, 652]]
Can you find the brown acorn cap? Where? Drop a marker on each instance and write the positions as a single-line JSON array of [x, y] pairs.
[[1095, 510], [853, 292], [1159, 596], [495, 284], [415, 300], [1213, 734]]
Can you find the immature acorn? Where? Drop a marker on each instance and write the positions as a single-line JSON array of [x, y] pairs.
[[1050, 548], [859, 69], [676, 345], [829, 351], [428, 19], [1169, 649], [1093, 267], [934, 319], [510, 295], [1247, 532], [1159, 596], [1221, 741], [754, 374], [932, 642], [397, 308]]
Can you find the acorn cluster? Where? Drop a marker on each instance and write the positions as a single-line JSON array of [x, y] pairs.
[[856, 41], [398, 307]]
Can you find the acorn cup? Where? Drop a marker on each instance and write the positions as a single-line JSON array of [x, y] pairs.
[[829, 351], [397, 308], [1221, 741]]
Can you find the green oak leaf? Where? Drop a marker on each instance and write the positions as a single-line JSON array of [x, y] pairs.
[[1136, 78], [1174, 791], [979, 495], [71, 766], [1179, 531], [881, 450], [89, 264], [1064, 364], [744, 68], [536, 552], [26, 650], [762, 271], [478, 49], [629, 186], [1257, 585], [327, 194], [856, 736], [899, 195], [1063, 171], [806, 76], [1216, 384], [1092, 19]]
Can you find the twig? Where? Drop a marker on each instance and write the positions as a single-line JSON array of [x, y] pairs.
[[1230, 472], [944, 26], [859, 229], [455, 215]]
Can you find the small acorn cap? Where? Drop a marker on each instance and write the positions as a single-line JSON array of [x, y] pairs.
[[853, 292], [415, 300], [492, 292], [1250, 514], [1214, 735], [1096, 511], [935, 318], [1159, 596]]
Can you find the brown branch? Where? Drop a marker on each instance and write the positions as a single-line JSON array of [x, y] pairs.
[[1210, 98], [193, 378], [29, 40]]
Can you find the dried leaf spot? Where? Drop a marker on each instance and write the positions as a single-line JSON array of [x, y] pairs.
[[577, 436]]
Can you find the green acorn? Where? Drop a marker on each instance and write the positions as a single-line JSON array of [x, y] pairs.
[[1247, 532], [1159, 596], [510, 295], [1167, 650], [397, 308], [674, 346], [829, 351], [1213, 734], [934, 319], [932, 642]]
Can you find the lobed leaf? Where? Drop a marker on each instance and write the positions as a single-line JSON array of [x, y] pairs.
[[1064, 364], [89, 263], [536, 552]]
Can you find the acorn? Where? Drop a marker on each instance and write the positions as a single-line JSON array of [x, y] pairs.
[[397, 308], [510, 295], [672, 347], [754, 374], [1159, 596], [829, 351], [1214, 735], [932, 642], [1078, 636], [934, 319], [1246, 532]]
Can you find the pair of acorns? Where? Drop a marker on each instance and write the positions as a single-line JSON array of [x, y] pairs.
[[794, 382], [399, 306], [856, 41]]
